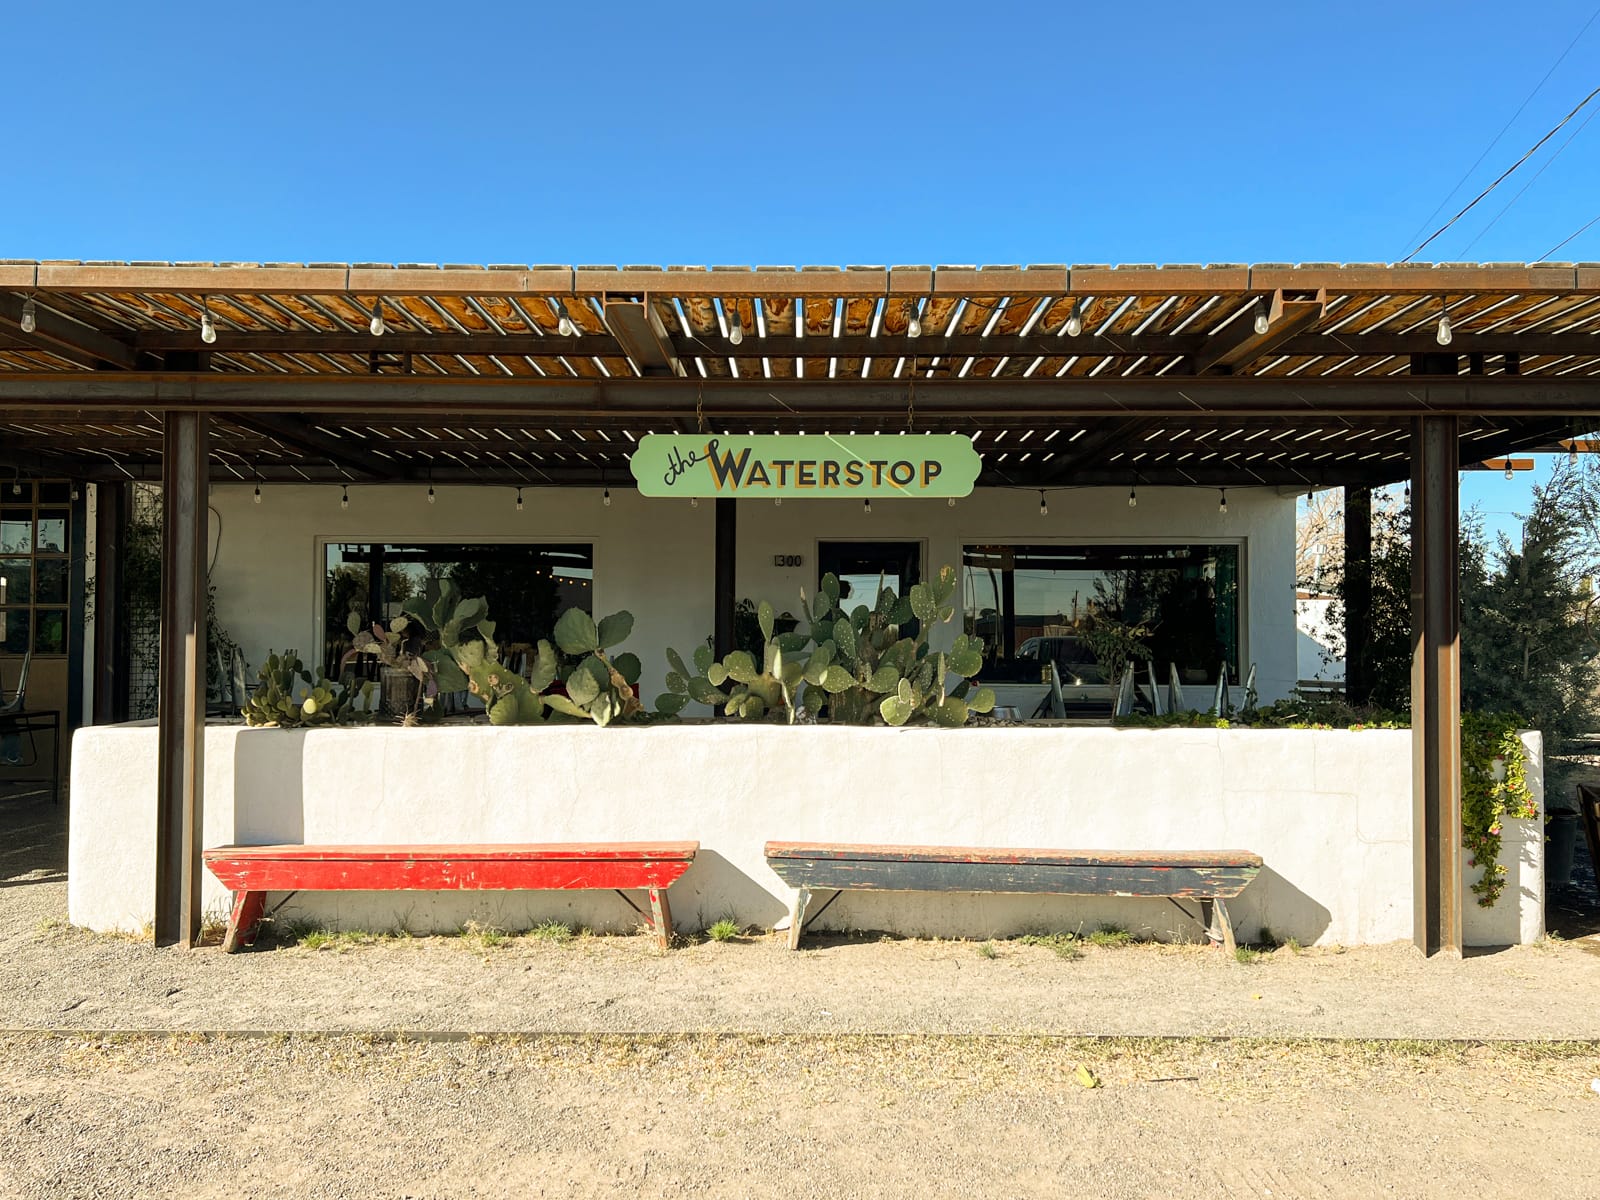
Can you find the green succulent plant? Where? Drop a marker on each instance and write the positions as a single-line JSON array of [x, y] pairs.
[[855, 666], [287, 696]]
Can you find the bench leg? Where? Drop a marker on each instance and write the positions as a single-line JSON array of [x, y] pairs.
[[797, 916], [247, 907], [661, 913], [1225, 924]]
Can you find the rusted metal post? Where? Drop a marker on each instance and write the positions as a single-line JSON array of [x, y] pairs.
[[724, 572], [1435, 685], [1357, 594], [181, 714]]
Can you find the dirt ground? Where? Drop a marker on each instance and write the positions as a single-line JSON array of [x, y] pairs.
[[859, 1067]]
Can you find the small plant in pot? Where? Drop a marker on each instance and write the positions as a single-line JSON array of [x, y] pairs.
[[406, 677]]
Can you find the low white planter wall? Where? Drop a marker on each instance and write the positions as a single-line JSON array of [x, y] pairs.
[[1329, 811]]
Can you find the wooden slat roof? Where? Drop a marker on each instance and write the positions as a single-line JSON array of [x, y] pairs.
[[1001, 355]]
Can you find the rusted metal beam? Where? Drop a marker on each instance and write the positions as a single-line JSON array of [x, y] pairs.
[[78, 397], [343, 452], [1436, 685], [643, 337], [181, 712], [1242, 343]]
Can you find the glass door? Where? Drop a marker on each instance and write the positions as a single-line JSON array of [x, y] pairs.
[[861, 566]]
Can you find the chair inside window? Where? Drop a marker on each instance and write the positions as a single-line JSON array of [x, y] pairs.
[[13, 701]]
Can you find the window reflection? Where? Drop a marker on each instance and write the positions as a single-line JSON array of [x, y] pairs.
[[1093, 608]]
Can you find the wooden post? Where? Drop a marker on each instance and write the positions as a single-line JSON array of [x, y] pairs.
[[1357, 594], [726, 563], [110, 634], [182, 709], [1435, 685]]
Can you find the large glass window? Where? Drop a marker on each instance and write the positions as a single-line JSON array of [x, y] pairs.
[[34, 567], [527, 586], [1092, 608]]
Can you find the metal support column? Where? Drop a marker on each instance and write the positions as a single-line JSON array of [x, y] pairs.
[[726, 562], [1357, 594], [182, 710], [1435, 685]]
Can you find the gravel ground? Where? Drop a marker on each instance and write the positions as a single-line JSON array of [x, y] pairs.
[[861, 1067]]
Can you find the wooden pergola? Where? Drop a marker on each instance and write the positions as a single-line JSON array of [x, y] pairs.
[[1288, 376]]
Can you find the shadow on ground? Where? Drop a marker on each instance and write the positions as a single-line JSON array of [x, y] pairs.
[[33, 836]]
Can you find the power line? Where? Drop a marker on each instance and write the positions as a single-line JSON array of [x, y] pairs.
[[1537, 87], [1542, 169], [1582, 229], [1504, 175]]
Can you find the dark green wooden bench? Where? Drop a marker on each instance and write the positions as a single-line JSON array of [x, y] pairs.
[[1211, 877]]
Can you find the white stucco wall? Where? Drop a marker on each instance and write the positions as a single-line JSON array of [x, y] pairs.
[[1330, 812], [655, 557]]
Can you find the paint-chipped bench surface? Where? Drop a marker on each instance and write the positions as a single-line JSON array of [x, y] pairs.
[[250, 872], [1209, 876]]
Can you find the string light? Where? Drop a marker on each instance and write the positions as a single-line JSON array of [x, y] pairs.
[[30, 316], [1511, 471], [1044, 505], [1263, 322], [1222, 503], [1572, 453], [951, 501], [1444, 336], [1074, 320], [736, 328], [1133, 498], [777, 502], [258, 493], [208, 327], [564, 323], [344, 496], [866, 506], [519, 499], [376, 325], [694, 502], [605, 498], [913, 320], [431, 496]]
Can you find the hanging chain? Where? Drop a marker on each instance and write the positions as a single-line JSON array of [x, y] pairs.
[[700, 405]]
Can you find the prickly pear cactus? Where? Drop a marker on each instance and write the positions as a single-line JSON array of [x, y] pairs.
[[286, 696], [856, 666]]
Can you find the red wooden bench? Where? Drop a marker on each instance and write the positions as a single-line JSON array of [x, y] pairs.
[[250, 872], [1209, 876]]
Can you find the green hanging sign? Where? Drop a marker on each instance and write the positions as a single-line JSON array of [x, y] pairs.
[[805, 466]]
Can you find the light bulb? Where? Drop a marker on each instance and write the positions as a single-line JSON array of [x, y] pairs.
[[30, 316], [430, 494], [258, 494], [1444, 336], [1222, 504], [951, 502], [519, 499], [376, 325], [1511, 472], [866, 506], [1074, 322], [605, 498], [777, 502], [208, 327], [1133, 498], [564, 325], [694, 502], [344, 497], [736, 328], [1572, 454], [1262, 323], [1044, 506], [913, 321]]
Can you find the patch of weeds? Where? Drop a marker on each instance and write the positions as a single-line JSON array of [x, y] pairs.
[[485, 937], [552, 931], [1064, 945], [1292, 945], [724, 930], [1246, 954], [988, 950], [52, 927], [319, 937], [1111, 937]]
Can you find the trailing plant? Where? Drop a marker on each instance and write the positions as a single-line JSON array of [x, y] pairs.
[[286, 696], [1494, 786], [854, 666]]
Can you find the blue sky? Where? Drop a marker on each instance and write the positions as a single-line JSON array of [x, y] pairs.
[[826, 133]]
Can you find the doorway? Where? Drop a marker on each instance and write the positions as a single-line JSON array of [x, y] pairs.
[[860, 566]]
